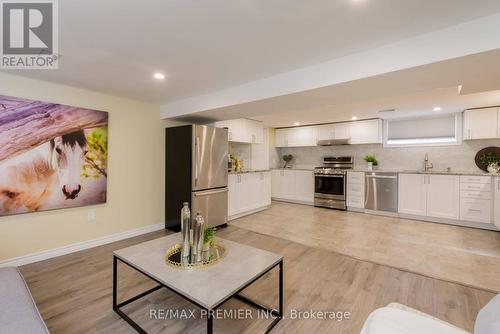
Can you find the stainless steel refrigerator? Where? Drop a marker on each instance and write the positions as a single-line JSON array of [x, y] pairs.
[[196, 172]]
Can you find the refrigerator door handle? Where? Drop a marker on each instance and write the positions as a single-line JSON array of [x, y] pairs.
[[197, 159], [209, 192]]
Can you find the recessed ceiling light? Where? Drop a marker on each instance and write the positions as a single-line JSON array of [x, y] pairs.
[[296, 123], [354, 118], [437, 109], [159, 76]]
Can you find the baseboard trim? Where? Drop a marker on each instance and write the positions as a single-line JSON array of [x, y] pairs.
[[246, 213], [292, 201], [50, 253], [464, 223]]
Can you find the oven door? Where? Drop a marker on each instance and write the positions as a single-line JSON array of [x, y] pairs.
[[330, 186]]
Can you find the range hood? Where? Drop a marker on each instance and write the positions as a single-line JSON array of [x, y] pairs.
[[333, 142]]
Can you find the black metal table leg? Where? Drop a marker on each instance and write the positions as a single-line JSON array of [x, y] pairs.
[[210, 322], [115, 282], [281, 302], [210, 316]]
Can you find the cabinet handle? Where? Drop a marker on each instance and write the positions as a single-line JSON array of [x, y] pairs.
[[253, 138], [230, 135], [470, 134], [498, 184], [474, 210]]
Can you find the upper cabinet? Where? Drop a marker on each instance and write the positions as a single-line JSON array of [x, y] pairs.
[[243, 130], [296, 137], [482, 123], [359, 132], [366, 132], [333, 131]]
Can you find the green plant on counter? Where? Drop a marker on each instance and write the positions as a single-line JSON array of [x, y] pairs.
[[209, 234], [490, 159], [371, 158], [287, 158]]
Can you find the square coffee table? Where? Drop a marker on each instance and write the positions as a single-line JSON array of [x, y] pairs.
[[208, 287]]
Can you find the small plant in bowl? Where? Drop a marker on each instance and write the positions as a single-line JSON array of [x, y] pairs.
[[287, 158], [371, 161], [208, 238], [491, 161]]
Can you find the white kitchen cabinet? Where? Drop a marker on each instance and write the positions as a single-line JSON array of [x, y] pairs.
[[253, 131], [277, 183], [496, 219], [412, 194], [443, 196], [359, 132], [356, 190], [366, 132], [435, 196], [248, 192], [243, 130], [478, 211], [293, 185], [481, 123], [264, 193], [476, 195], [235, 131], [280, 137], [333, 131], [304, 186], [283, 184], [288, 178], [297, 137]]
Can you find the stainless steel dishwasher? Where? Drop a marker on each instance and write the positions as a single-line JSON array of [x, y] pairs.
[[381, 191]]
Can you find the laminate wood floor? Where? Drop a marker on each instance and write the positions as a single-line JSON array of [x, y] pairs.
[[452, 253], [73, 292]]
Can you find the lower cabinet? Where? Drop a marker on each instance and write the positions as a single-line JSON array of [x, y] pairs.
[[356, 190], [248, 192], [429, 195], [412, 194], [443, 196], [496, 214], [293, 185], [476, 199]]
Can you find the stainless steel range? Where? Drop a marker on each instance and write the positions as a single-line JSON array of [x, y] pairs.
[[330, 182]]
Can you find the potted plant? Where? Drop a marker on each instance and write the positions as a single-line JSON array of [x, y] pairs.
[[287, 158], [208, 238], [491, 161], [371, 161]]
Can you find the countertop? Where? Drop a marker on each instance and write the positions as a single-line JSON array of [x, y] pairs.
[[432, 172], [295, 168], [249, 171]]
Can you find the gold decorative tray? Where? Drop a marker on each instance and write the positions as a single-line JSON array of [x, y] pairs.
[[215, 254]]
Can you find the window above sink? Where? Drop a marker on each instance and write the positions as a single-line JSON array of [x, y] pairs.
[[423, 131]]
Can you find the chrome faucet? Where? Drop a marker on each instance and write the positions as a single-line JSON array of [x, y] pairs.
[[427, 166]]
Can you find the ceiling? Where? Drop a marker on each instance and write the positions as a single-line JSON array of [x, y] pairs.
[[115, 46], [413, 91]]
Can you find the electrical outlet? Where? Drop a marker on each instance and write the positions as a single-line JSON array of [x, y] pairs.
[[91, 216]]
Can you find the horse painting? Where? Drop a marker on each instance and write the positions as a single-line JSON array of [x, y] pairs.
[[42, 169]]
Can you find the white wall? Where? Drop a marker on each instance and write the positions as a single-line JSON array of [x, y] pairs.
[[135, 166]]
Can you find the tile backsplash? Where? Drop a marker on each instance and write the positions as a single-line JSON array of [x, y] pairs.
[[458, 157]]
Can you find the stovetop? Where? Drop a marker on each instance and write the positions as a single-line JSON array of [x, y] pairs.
[[334, 165]]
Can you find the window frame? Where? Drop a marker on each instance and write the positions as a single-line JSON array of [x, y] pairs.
[[458, 140]]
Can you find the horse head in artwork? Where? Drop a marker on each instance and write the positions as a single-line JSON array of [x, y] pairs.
[[67, 158]]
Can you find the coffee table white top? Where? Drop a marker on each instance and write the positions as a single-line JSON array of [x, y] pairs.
[[207, 286]]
